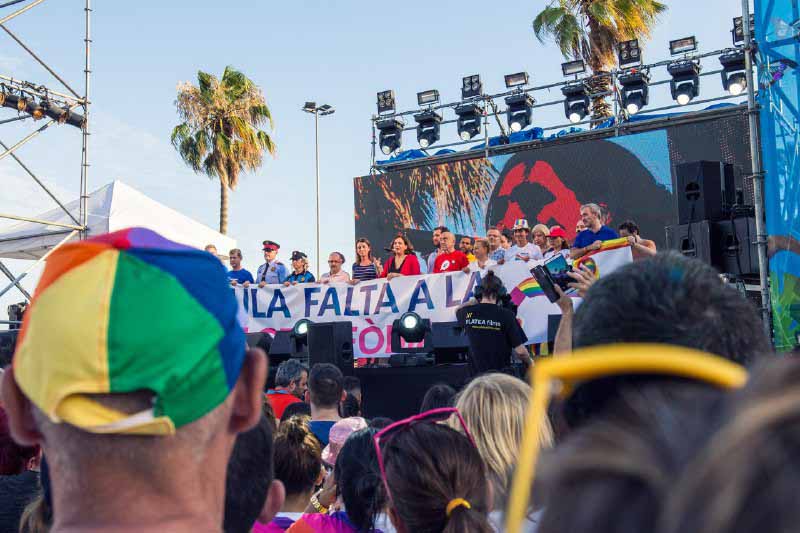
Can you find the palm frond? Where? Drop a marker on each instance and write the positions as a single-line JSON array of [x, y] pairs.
[[545, 22]]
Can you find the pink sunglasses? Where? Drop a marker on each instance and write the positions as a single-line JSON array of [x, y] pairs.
[[434, 415]]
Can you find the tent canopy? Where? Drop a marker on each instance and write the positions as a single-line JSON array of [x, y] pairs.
[[110, 208]]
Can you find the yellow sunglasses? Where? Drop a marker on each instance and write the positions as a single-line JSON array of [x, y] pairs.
[[560, 376]]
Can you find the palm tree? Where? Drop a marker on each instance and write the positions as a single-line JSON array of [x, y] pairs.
[[591, 29], [220, 135]]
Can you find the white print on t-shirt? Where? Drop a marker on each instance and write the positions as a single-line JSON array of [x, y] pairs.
[[445, 265]]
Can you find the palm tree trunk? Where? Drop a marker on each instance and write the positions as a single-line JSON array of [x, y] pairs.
[[223, 207], [600, 83]]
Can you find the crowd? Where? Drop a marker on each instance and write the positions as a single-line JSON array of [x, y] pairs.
[[520, 243], [649, 423]]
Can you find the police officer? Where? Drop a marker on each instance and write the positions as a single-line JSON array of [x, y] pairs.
[[273, 271]]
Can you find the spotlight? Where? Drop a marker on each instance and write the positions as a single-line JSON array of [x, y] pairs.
[[573, 67], [516, 80], [471, 86], [36, 110], [737, 33], [391, 134], [682, 46], [427, 127], [576, 101], [685, 83], [469, 121], [428, 97], [300, 328], [629, 53], [14, 102], [410, 327], [2, 99], [53, 111], [635, 93], [385, 102], [518, 113], [733, 75], [74, 119]]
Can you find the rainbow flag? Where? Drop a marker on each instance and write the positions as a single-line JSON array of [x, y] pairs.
[[528, 288]]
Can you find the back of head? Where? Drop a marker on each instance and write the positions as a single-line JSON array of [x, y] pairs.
[[295, 409], [745, 477], [297, 456], [13, 457], [350, 407], [249, 477], [351, 384], [491, 286], [446, 467], [494, 407], [439, 395], [358, 479], [623, 466], [670, 299], [325, 385]]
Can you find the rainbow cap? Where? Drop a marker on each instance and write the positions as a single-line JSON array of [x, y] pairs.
[[124, 312]]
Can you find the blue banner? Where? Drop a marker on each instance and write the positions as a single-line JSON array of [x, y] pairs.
[[777, 26]]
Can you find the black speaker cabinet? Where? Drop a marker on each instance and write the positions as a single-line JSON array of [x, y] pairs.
[[705, 190], [331, 342], [692, 240]]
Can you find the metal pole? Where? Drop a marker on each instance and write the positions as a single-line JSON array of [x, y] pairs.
[[757, 173], [26, 139], [20, 12], [316, 144], [19, 278], [85, 138], [40, 221], [10, 276]]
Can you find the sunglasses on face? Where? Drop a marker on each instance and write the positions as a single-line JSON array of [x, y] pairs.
[[430, 417], [560, 376]]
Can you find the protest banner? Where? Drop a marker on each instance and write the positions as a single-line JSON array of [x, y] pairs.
[[372, 306]]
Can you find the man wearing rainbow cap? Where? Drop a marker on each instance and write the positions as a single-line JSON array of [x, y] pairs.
[[132, 373]]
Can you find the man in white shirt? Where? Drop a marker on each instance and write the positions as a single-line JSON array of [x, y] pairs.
[[522, 250], [336, 275]]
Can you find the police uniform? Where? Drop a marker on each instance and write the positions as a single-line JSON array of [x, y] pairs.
[[273, 272], [305, 276]]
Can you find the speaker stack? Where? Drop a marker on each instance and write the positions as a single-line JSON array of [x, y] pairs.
[[713, 226]]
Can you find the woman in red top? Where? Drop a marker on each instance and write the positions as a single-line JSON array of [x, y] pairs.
[[404, 261]]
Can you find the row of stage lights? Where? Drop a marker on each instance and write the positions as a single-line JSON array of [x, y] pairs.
[[38, 109], [634, 92]]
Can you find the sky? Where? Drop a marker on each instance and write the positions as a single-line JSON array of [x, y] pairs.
[[338, 53]]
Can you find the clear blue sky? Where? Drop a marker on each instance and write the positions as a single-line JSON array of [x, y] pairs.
[[339, 53]]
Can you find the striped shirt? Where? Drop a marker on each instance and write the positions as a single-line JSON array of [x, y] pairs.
[[364, 273]]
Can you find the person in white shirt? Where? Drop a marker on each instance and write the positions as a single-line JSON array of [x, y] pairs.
[[482, 261], [336, 275], [558, 243], [522, 250]]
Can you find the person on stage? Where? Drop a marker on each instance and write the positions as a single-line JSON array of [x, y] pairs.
[[592, 237], [272, 271], [403, 261], [522, 249], [336, 275], [482, 262], [300, 273], [449, 259], [640, 248], [237, 274], [557, 241]]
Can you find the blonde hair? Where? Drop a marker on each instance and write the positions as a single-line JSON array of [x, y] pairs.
[[493, 407], [541, 227]]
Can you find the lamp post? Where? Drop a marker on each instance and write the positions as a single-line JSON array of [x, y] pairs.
[[323, 110]]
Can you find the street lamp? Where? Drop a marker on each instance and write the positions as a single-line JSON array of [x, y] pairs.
[[323, 110]]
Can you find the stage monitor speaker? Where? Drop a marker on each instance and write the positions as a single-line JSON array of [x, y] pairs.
[[738, 253], [450, 343], [706, 190], [331, 342], [692, 240]]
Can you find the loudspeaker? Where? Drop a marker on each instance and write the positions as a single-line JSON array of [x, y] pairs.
[[738, 252], [706, 190], [692, 240], [450, 343], [331, 342]]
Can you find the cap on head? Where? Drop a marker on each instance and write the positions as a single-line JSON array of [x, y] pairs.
[[126, 312], [271, 246], [558, 231], [339, 433], [298, 255], [522, 223]]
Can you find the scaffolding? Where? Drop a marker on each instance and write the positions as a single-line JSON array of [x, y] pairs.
[[36, 102]]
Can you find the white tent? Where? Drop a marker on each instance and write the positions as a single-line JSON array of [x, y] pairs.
[[110, 208]]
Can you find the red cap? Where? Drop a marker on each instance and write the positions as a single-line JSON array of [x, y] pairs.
[[558, 231]]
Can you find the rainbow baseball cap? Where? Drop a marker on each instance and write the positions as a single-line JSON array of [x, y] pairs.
[[130, 311]]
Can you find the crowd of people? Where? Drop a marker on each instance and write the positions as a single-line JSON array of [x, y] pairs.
[[169, 428], [498, 246]]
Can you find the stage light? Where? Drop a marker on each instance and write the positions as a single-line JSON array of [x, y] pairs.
[[391, 134], [428, 97], [36, 110], [410, 327], [12, 101], [734, 79], [737, 33], [518, 113], [54, 111], [576, 101], [573, 67], [685, 83], [2, 99], [516, 80], [634, 92], [385, 102], [469, 121], [471, 87], [300, 329], [427, 127], [629, 53], [682, 46]]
